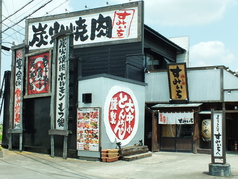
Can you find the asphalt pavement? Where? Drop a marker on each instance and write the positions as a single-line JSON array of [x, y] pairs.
[[164, 165]]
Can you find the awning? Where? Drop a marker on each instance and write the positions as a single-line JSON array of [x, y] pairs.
[[176, 118], [187, 105]]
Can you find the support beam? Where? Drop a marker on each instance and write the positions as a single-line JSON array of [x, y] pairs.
[[0, 38]]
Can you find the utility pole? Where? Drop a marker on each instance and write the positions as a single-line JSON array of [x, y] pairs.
[[0, 39]]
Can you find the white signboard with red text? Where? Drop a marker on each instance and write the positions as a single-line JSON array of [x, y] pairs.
[[121, 113], [176, 118], [18, 90], [119, 22]]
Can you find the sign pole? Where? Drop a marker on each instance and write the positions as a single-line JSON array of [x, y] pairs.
[[218, 167]]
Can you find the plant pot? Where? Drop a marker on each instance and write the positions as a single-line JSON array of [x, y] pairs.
[[104, 159], [111, 155], [113, 159], [104, 150], [104, 154], [113, 150]]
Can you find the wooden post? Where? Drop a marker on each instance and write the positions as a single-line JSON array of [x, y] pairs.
[[196, 132], [154, 137], [20, 141], [65, 147], [10, 141], [52, 146], [66, 38]]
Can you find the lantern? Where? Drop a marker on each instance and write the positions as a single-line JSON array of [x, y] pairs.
[[206, 130]]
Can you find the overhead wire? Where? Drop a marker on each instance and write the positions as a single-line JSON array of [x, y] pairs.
[[17, 23], [27, 16], [4, 23], [56, 7], [13, 22], [13, 30], [20, 36], [17, 11], [38, 3]]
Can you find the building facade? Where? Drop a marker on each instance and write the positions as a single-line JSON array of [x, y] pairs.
[[79, 80], [209, 88], [88, 80]]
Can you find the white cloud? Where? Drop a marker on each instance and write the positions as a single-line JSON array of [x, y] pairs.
[[185, 12], [211, 53]]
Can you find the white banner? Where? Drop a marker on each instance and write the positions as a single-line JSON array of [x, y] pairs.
[[120, 24], [176, 118], [61, 83], [217, 134], [18, 81]]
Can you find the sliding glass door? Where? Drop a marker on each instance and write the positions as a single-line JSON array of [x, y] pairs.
[[175, 137]]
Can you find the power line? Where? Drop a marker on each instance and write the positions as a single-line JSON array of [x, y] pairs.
[[24, 13], [17, 11], [13, 22], [12, 29], [12, 33], [56, 7], [19, 30], [27, 16]]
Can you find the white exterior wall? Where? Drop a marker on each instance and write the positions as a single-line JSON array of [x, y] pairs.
[[184, 43], [204, 85], [230, 83], [99, 87]]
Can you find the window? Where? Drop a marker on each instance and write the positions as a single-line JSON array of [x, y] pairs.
[[173, 130], [153, 61], [184, 131]]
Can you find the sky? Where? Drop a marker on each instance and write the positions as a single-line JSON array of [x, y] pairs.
[[210, 25]]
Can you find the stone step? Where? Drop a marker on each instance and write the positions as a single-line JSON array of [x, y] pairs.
[[137, 156], [204, 151], [133, 150]]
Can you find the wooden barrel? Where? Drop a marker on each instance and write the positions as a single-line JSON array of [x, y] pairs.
[[206, 129]]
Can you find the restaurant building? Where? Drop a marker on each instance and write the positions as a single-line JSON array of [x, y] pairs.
[[90, 80], [186, 126]]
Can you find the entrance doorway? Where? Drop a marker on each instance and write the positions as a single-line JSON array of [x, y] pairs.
[[231, 132], [176, 137]]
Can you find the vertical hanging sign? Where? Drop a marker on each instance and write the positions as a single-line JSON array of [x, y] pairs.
[[16, 94], [61, 82], [63, 44], [218, 137], [178, 82], [18, 87]]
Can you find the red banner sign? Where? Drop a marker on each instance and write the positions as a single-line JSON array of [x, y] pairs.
[[38, 74]]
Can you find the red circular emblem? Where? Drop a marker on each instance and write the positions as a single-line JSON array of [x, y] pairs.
[[121, 115]]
